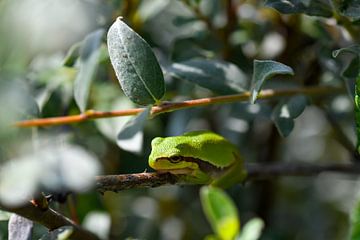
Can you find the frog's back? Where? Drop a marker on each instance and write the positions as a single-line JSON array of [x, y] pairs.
[[211, 147]]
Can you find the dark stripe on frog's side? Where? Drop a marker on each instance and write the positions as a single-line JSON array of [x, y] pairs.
[[203, 165]]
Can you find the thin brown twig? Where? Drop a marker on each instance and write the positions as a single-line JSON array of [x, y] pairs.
[[50, 219], [172, 106], [122, 182]]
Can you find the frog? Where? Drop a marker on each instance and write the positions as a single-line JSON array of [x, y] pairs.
[[198, 157]]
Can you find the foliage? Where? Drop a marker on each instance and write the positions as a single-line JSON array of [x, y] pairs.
[[57, 62]]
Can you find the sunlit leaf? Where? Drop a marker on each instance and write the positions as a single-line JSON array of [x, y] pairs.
[[218, 76], [135, 65], [88, 64], [19, 179], [286, 111], [20, 228], [130, 138], [66, 166], [55, 167], [220, 212], [61, 233], [263, 70], [4, 216], [98, 222], [252, 230], [111, 98], [310, 7]]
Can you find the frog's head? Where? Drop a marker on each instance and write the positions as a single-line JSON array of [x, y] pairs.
[[169, 155]]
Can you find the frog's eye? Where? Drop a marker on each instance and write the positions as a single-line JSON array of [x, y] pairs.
[[175, 159]]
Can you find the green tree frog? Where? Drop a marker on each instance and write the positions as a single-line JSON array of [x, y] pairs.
[[199, 157]]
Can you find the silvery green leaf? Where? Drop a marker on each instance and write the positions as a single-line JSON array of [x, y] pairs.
[[88, 64], [218, 76], [130, 138], [286, 111], [135, 65], [19, 179], [263, 70], [20, 228], [320, 8]]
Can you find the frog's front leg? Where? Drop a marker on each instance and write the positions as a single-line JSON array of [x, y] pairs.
[[234, 175]]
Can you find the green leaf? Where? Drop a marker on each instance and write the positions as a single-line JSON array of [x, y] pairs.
[[252, 230], [88, 64], [351, 71], [263, 70], [61, 233], [4, 216], [130, 138], [72, 55], [320, 8], [220, 212], [286, 111], [355, 222], [58, 79], [218, 76], [135, 65], [351, 9]]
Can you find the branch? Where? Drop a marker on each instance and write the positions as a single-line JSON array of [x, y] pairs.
[[50, 219], [172, 106], [121, 182]]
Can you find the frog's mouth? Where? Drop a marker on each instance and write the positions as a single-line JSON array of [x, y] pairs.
[[179, 171]]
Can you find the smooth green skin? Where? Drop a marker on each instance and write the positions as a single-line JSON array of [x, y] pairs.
[[200, 146]]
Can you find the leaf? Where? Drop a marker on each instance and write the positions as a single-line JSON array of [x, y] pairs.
[[351, 71], [20, 228], [130, 138], [220, 212], [135, 65], [55, 167], [320, 8], [252, 229], [88, 64], [58, 79], [19, 179], [61, 233], [218, 76], [355, 222], [67, 166], [4, 216], [72, 55], [350, 9], [98, 221], [110, 127], [263, 70], [286, 111], [355, 49]]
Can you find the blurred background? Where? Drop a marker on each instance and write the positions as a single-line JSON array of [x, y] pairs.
[[40, 63]]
